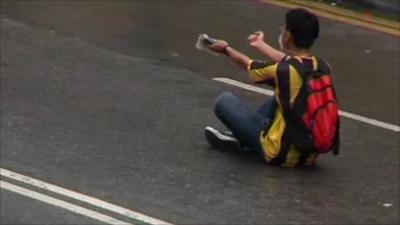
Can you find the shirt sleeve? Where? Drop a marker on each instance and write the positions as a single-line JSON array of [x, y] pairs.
[[261, 71]]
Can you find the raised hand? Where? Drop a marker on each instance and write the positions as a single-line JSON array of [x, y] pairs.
[[256, 39]]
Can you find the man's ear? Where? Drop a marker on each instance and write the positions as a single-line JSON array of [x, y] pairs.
[[287, 38]]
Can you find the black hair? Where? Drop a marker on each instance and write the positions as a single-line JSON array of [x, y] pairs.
[[303, 26]]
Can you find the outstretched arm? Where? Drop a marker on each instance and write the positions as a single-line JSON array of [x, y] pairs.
[[223, 47], [258, 71]]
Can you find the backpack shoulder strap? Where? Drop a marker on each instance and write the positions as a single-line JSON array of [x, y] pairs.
[[335, 150], [323, 66], [301, 69], [283, 84]]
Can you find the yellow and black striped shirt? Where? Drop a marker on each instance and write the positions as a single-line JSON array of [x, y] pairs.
[[287, 82]]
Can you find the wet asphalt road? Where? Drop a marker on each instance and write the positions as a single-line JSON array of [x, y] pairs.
[[110, 98], [365, 62]]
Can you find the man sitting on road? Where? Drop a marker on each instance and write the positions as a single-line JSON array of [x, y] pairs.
[[265, 131]]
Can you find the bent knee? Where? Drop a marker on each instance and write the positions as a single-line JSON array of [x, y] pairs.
[[224, 99]]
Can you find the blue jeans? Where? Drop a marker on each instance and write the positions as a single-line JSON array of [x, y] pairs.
[[245, 124]]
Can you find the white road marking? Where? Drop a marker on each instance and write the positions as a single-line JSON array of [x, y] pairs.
[[81, 197], [244, 86], [62, 204], [263, 91], [370, 121]]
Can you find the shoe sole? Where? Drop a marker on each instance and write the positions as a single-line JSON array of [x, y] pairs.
[[220, 142]]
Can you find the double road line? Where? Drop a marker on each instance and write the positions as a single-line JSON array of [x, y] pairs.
[[72, 201]]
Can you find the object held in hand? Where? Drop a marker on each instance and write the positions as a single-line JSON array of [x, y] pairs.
[[204, 41]]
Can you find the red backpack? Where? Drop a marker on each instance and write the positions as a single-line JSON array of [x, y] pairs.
[[313, 120]]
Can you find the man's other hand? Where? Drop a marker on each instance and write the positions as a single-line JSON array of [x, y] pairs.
[[256, 39], [219, 46]]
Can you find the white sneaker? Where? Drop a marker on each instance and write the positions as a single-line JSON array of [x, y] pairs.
[[221, 140]]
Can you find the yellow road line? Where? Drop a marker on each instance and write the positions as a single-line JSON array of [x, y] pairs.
[[366, 17], [342, 15]]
